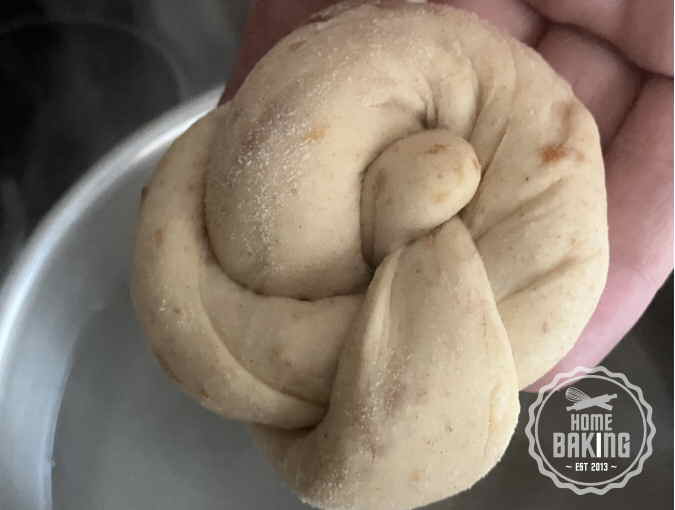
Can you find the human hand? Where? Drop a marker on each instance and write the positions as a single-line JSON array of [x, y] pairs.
[[618, 57]]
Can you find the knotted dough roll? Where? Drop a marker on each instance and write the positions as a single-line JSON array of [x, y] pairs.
[[398, 221]]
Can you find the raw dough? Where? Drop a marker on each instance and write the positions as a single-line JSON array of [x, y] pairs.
[[398, 221]]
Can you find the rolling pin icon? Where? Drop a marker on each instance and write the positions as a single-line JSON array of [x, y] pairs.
[[583, 401]]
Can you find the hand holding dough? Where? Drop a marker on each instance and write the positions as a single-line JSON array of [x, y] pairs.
[[398, 221]]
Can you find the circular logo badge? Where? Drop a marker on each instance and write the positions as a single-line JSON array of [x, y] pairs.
[[590, 430]]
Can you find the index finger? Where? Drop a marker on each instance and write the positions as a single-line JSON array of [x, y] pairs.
[[641, 29], [268, 21]]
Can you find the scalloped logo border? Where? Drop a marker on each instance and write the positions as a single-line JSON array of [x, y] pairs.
[[647, 422]]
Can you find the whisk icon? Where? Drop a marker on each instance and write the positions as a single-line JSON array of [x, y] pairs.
[[583, 401]]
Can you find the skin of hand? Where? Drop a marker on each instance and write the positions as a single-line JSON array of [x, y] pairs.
[[618, 57]]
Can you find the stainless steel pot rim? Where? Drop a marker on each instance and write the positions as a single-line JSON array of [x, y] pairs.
[[79, 198], [33, 262]]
